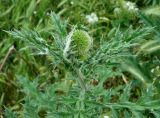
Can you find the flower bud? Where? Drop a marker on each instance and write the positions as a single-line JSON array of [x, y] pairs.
[[83, 43]]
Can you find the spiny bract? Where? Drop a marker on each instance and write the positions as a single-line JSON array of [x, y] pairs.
[[83, 43]]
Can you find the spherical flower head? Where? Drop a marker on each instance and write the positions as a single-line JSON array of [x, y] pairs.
[[92, 18], [117, 11], [130, 6], [126, 10], [83, 43]]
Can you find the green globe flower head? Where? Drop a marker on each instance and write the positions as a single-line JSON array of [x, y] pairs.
[[83, 43]]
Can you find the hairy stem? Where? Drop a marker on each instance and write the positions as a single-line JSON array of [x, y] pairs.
[[81, 79]]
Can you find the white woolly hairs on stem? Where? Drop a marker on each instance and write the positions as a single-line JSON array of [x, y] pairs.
[[68, 42]]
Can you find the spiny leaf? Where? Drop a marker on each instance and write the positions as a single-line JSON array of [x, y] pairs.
[[9, 114]]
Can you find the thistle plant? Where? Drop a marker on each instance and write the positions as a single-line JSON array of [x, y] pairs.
[[83, 73], [92, 59]]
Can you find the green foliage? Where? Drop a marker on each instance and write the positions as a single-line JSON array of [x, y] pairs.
[[61, 65], [152, 2], [9, 114]]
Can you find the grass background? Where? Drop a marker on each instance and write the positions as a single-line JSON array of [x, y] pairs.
[[124, 83]]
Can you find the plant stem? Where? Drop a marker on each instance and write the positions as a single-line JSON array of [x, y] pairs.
[[6, 57], [81, 79]]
